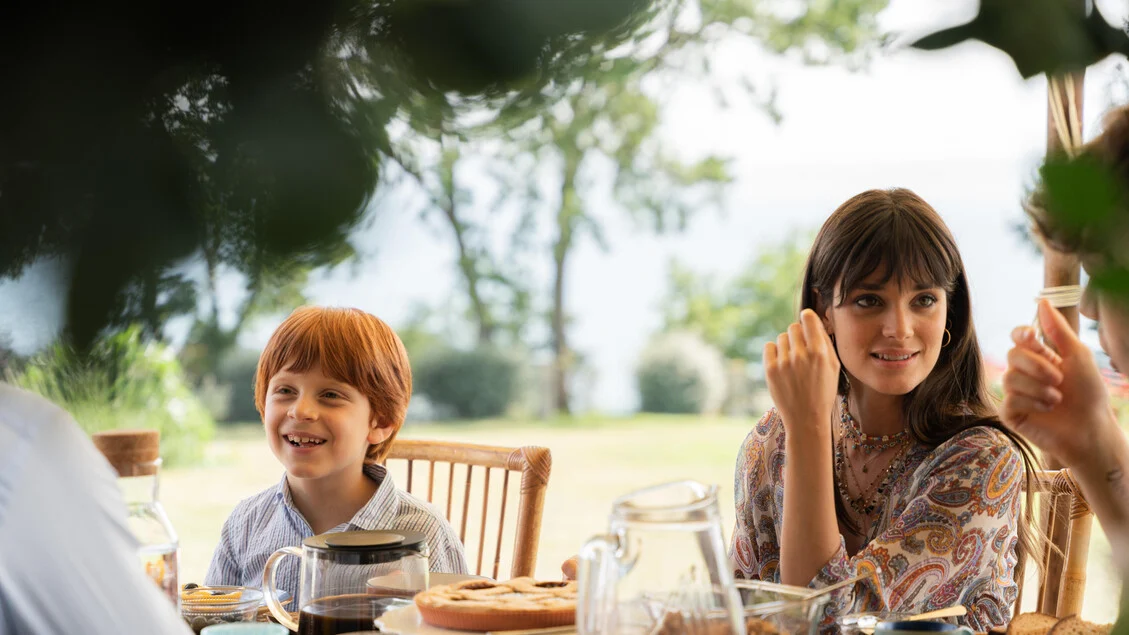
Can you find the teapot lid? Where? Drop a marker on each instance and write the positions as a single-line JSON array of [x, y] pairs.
[[368, 547]]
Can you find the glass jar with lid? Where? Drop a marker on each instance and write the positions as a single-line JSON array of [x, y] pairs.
[[135, 455]]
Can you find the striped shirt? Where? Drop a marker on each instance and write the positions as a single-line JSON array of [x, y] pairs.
[[269, 521]]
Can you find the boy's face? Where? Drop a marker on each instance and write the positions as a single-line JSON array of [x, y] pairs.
[[318, 426]]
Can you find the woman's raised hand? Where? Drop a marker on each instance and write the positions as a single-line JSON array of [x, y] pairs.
[[802, 371], [1058, 401]]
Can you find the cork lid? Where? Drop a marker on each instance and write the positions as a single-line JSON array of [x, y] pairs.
[[130, 452]]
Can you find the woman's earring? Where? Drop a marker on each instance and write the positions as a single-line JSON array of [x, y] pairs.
[[947, 339]]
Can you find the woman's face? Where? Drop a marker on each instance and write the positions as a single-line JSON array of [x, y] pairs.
[[1112, 315], [889, 335]]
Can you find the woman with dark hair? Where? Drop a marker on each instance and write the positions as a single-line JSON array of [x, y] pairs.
[[1057, 398], [883, 455]]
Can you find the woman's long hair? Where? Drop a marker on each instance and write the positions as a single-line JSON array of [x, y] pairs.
[[897, 232]]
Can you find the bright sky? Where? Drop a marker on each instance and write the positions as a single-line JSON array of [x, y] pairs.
[[959, 127]]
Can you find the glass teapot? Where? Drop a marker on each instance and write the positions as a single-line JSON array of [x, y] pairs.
[[660, 568], [334, 593]]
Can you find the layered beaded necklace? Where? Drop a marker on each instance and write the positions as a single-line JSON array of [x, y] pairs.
[[860, 440], [871, 498]]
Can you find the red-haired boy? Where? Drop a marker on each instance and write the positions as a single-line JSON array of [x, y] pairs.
[[332, 387]]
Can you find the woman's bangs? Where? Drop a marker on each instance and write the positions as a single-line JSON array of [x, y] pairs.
[[902, 251]]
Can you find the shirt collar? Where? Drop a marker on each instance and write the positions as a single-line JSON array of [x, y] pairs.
[[380, 510]]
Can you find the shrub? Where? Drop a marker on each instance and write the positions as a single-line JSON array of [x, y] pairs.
[[679, 372], [236, 372], [473, 384], [124, 382]]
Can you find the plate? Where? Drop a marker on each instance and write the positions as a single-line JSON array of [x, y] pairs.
[[407, 621], [397, 581]]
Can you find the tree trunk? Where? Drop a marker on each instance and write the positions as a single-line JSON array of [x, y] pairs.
[[560, 346], [468, 266], [565, 223]]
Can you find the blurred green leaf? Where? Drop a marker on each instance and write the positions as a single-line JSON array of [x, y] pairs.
[[1081, 194], [1041, 36]]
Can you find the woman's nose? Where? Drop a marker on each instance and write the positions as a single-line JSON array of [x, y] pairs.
[[898, 324]]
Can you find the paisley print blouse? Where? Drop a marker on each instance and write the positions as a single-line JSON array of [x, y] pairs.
[[947, 535]]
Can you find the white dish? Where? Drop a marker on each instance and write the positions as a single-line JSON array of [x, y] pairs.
[[407, 621], [398, 580]]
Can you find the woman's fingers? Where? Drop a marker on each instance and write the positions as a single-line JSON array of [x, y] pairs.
[[1058, 331], [1022, 385], [1017, 408], [814, 333], [569, 568], [1025, 337], [768, 355], [1035, 365], [796, 343], [783, 347]]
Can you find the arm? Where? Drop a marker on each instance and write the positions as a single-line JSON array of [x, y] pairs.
[[810, 530], [69, 563], [1059, 402], [225, 568], [754, 551], [802, 370], [1104, 480]]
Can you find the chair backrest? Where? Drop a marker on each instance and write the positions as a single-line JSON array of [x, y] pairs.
[[1066, 518], [428, 470]]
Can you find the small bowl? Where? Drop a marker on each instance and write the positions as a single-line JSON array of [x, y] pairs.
[[783, 608], [208, 605], [245, 628], [865, 622]]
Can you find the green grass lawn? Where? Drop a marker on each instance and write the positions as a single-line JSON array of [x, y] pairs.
[[594, 461]]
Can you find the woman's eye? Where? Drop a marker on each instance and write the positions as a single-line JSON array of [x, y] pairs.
[[927, 300], [867, 301]]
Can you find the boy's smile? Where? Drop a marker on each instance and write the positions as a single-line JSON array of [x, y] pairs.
[[303, 441]]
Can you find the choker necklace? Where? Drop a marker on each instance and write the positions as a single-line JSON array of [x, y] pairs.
[[862, 441]]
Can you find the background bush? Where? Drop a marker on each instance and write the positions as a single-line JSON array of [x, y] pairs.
[[474, 384], [680, 373], [124, 383], [236, 372]]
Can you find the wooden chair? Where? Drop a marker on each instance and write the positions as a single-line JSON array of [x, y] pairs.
[[412, 463], [1067, 519]]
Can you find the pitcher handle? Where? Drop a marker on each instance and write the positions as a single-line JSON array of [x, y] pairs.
[[596, 584], [269, 573]]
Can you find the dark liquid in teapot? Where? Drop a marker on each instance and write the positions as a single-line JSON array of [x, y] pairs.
[[339, 614]]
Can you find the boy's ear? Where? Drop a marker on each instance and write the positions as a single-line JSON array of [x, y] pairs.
[[378, 433]]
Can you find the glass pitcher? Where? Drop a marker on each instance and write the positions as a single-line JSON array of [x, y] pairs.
[[334, 594], [135, 455], [660, 568]]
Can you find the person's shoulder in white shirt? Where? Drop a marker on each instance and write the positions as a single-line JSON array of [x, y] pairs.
[[68, 563]]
